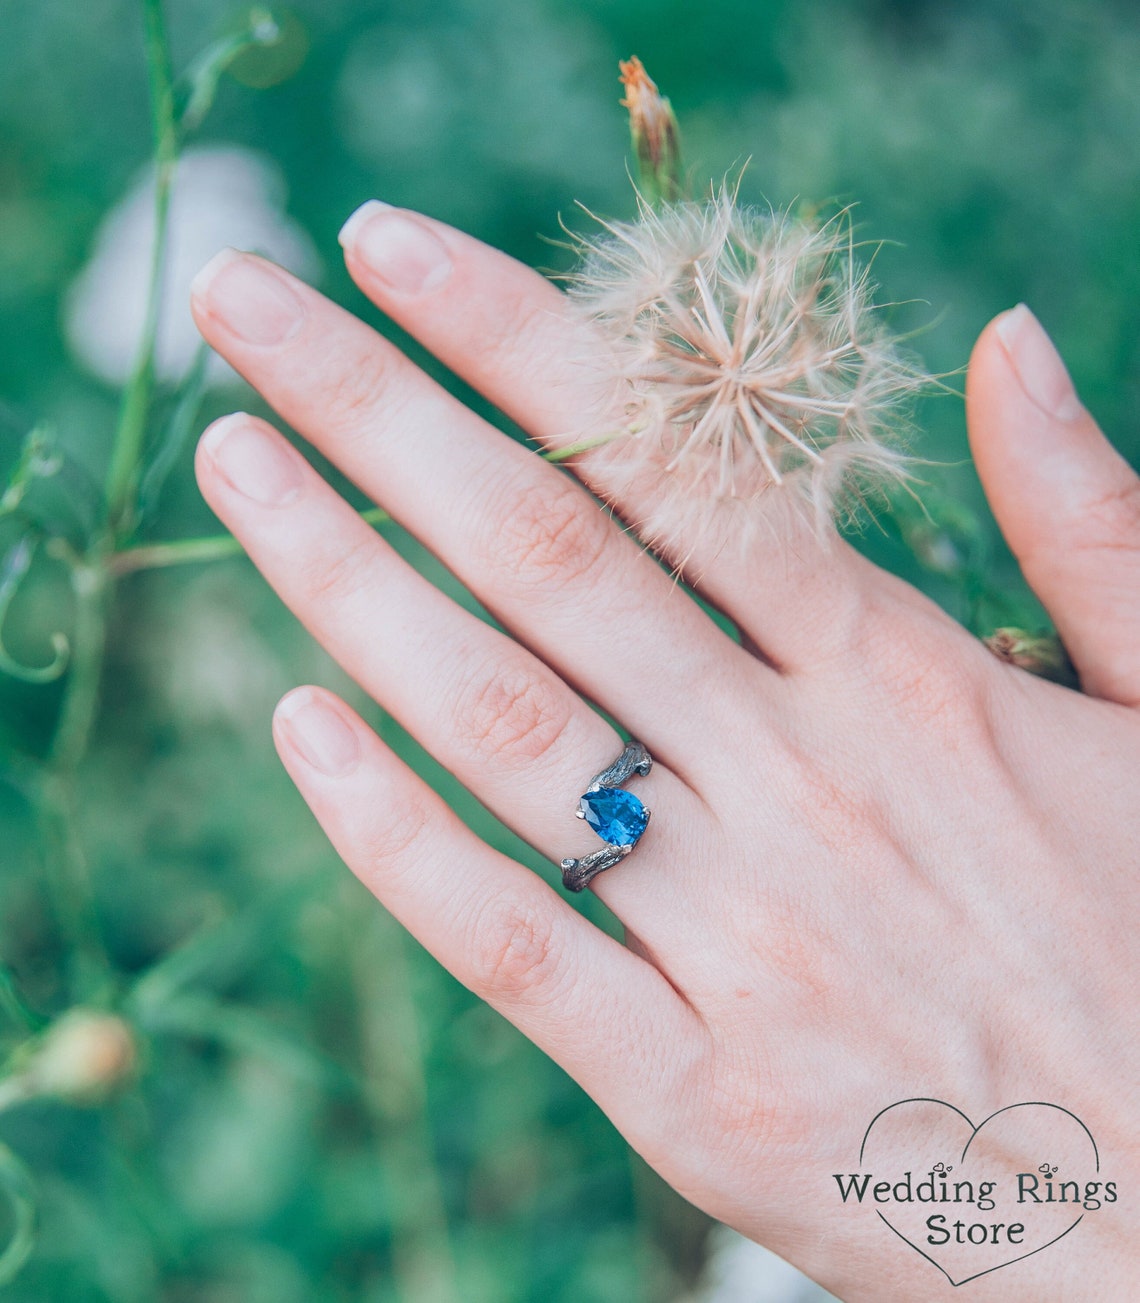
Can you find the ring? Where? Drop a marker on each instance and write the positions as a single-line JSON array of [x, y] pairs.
[[617, 816]]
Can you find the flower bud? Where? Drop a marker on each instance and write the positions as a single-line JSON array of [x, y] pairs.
[[82, 1057], [1037, 653], [656, 137]]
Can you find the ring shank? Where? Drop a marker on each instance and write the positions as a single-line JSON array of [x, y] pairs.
[[577, 873]]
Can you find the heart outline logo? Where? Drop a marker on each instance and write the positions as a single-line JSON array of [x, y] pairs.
[[974, 1131]]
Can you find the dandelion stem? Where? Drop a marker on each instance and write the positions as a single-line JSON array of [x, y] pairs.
[[183, 551], [556, 455], [220, 547]]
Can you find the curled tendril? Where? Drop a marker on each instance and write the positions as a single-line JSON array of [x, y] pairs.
[[38, 460], [16, 565], [204, 76], [17, 1187]]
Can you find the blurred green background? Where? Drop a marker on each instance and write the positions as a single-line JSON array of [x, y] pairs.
[[317, 1111]]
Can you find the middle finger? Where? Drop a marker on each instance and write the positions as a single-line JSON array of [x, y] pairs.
[[530, 543]]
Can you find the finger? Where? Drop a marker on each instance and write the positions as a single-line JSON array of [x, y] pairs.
[[609, 1018], [508, 332], [1067, 502], [532, 546], [499, 719]]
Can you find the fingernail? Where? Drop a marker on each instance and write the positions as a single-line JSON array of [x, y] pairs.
[[1037, 364], [401, 251], [250, 297], [319, 733], [259, 465]]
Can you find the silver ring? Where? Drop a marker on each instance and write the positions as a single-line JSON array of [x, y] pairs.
[[617, 816]]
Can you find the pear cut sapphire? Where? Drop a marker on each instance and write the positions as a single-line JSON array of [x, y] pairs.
[[617, 816]]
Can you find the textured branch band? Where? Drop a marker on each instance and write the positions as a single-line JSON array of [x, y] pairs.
[[617, 816]]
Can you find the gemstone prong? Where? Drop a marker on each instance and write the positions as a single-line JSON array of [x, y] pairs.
[[615, 814]]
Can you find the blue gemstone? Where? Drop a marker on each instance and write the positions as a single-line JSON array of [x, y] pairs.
[[617, 816]]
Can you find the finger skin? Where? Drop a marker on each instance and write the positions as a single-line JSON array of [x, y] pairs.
[[948, 938], [1067, 502], [509, 729], [605, 1015], [506, 330], [533, 547]]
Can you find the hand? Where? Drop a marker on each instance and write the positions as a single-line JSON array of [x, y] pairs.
[[882, 863]]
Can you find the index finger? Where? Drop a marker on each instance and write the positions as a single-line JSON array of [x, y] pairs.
[[511, 334]]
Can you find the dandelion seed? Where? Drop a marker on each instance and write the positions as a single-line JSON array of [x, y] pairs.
[[751, 363]]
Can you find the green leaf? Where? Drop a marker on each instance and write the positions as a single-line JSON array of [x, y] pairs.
[[176, 435], [214, 954], [246, 1031]]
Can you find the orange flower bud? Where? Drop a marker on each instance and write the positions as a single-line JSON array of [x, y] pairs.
[[653, 128], [82, 1057]]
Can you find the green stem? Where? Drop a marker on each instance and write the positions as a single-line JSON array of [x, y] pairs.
[[91, 574], [68, 866], [557, 455], [89, 580], [220, 547], [126, 452], [185, 551], [392, 1052]]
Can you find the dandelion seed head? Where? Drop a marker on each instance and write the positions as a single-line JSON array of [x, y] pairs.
[[750, 362]]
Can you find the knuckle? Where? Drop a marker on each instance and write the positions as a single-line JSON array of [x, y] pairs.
[[511, 336], [929, 691], [511, 712], [552, 536], [927, 677], [1110, 522], [357, 395], [839, 816], [336, 576], [516, 952], [394, 837]]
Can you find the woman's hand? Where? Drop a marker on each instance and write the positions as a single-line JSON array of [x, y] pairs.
[[882, 864]]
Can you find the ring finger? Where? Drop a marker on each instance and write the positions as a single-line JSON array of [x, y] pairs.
[[497, 717]]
